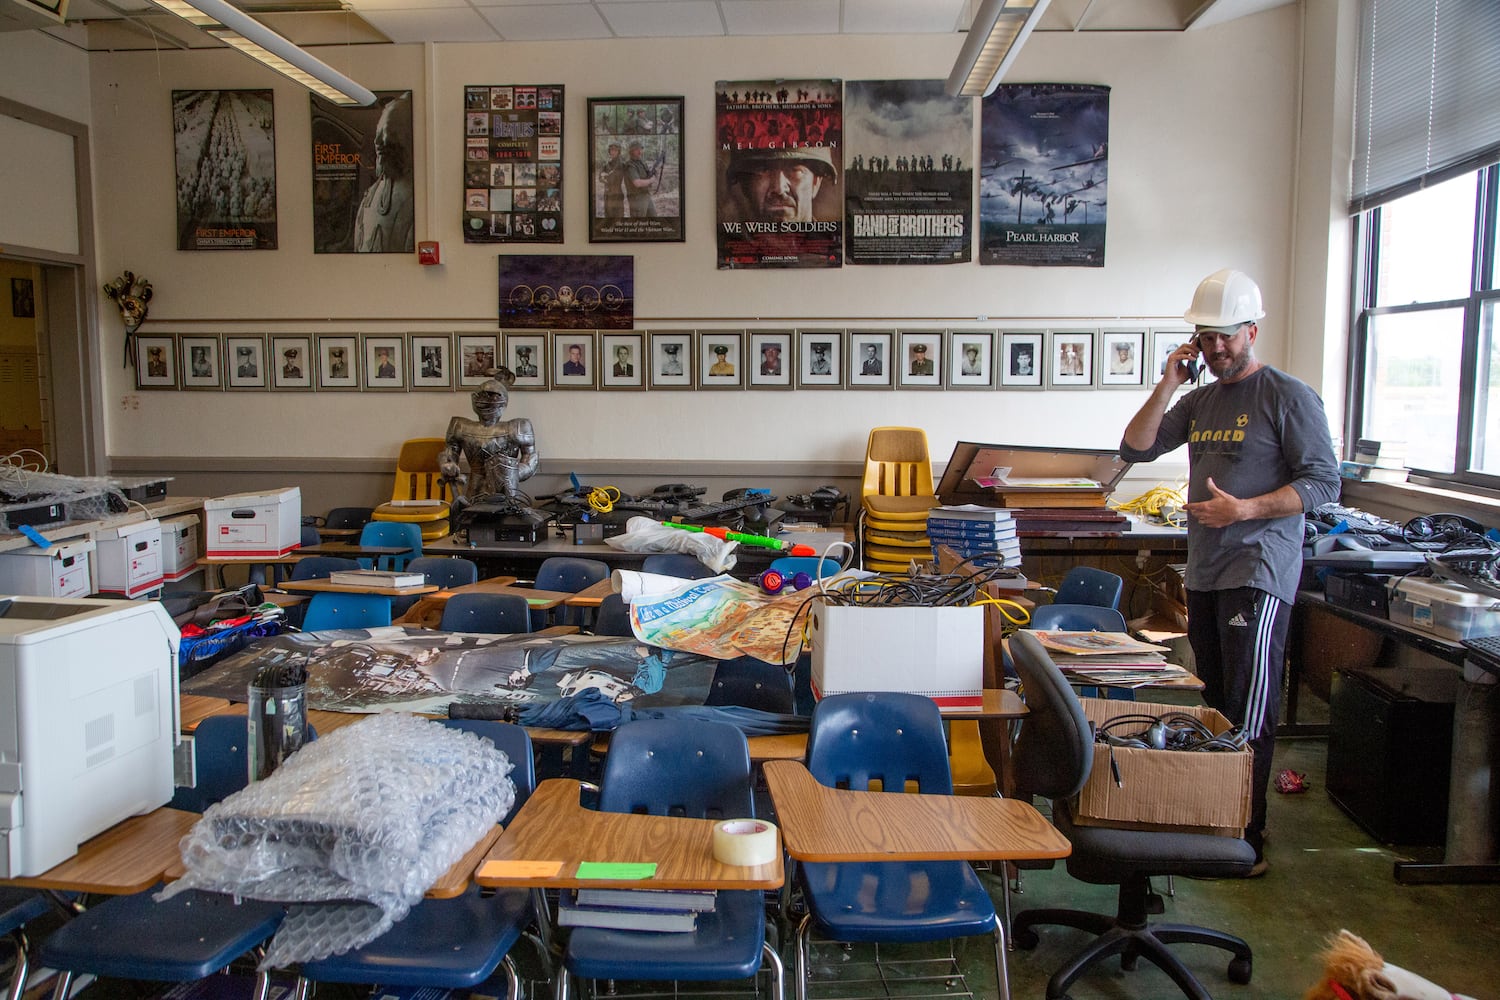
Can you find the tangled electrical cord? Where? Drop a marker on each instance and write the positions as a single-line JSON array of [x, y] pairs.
[[1160, 501], [1172, 731], [602, 499]]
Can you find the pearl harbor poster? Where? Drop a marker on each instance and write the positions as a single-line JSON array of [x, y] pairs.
[[908, 173], [225, 152], [1044, 175]]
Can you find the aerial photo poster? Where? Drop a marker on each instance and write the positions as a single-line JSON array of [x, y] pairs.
[[363, 201], [1044, 178], [513, 164], [908, 194], [778, 165], [225, 143]]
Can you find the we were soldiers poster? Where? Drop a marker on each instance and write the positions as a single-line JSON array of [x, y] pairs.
[[909, 175], [1043, 185], [778, 166]]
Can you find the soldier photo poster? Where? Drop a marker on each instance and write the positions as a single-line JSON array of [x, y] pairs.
[[225, 152], [778, 166], [513, 164], [363, 200], [567, 291], [1044, 179], [908, 192], [635, 170]]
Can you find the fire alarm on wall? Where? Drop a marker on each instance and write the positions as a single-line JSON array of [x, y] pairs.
[[427, 252]]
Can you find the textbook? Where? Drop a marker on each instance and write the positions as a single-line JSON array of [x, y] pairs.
[[376, 578], [699, 900]]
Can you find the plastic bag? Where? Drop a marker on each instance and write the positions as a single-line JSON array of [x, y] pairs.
[[642, 534]]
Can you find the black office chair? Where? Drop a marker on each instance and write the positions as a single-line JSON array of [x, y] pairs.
[[1053, 756]]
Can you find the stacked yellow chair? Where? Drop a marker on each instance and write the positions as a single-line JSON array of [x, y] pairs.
[[418, 479], [896, 497]]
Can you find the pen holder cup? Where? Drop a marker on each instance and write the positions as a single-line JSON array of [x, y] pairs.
[[277, 726]]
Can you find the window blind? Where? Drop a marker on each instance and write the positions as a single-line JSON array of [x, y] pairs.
[[1427, 96]]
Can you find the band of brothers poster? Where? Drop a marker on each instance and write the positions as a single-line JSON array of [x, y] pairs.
[[513, 164], [363, 200], [908, 191], [778, 163], [225, 151], [1045, 174]]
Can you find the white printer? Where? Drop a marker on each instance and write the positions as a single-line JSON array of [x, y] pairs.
[[88, 722]]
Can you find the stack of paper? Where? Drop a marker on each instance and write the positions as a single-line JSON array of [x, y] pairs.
[[1108, 659], [973, 531], [635, 909]]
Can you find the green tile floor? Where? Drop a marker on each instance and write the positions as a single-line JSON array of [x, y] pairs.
[[1325, 873]]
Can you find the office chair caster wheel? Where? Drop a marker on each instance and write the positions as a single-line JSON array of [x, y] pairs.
[[1239, 971], [1026, 939]]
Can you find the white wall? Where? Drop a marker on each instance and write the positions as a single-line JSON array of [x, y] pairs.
[[38, 200], [1201, 161]]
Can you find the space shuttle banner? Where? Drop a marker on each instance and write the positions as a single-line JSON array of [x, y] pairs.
[[909, 175], [1044, 175], [778, 157]]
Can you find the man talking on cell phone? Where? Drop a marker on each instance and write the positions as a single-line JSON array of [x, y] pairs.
[[1260, 456]]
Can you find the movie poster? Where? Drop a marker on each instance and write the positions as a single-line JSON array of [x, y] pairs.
[[777, 170], [363, 200], [513, 164], [225, 142], [635, 170], [1045, 174], [567, 291], [908, 192]]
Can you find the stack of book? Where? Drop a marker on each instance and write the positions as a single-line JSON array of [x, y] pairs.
[[1044, 521], [1041, 491], [1109, 659], [635, 909], [1376, 462], [376, 578], [973, 532]]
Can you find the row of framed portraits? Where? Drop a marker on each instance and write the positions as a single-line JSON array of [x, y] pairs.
[[662, 359]]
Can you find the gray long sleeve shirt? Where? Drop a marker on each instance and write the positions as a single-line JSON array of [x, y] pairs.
[[1253, 436]]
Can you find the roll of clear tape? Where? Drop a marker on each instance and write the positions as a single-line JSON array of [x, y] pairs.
[[745, 842]]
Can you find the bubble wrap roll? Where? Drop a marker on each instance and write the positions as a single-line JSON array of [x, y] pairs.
[[372, 813]]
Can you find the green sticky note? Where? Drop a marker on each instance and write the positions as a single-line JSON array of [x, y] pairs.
[[613, 870]]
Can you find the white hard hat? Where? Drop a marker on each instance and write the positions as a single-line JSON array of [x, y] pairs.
[[1225, 298]]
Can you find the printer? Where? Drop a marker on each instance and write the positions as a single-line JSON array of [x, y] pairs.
[[88, 722]]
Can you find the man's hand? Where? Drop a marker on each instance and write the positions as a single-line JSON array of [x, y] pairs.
[[1219, 511]]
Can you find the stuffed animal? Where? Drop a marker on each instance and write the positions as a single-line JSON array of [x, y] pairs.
[[1355, 971]]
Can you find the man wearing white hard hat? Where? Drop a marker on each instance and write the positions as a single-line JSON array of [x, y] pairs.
[[1260, 456]]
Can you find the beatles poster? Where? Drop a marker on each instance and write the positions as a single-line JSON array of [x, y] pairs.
[[567, 291], [1045, 175], [225, 142], [778, 163], [363, 200], [635, 170], [513, 164], [908, 192]]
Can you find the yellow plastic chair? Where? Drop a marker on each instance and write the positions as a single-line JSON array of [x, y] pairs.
[[898, 476], [972, 774], [419, 495]]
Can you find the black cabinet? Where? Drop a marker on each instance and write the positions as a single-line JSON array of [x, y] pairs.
[[1388, 760]]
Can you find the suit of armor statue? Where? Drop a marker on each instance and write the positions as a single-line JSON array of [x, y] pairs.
[[501, 454]]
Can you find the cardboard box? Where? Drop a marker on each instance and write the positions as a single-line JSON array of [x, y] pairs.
[[938, 652], [59, 571], [1206, 792], [253, 524], [179, 546], [129, 558]]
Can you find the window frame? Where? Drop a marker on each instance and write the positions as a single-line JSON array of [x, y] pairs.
[[1484, 286]]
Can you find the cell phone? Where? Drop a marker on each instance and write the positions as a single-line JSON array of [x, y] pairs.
[[1193, 368]]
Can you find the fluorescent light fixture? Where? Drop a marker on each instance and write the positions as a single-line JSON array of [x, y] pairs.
[[234, 27], [995, 38]]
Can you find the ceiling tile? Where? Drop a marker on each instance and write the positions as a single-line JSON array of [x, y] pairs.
[[428, 25], [781, 17], [901, 17], [361, 6], [543, 22], [662, 19]]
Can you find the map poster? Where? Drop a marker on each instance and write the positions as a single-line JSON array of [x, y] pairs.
[[567, 291], [225, 145], [908, 190], [635, 170], [513, 164], [777, 172], [1044, 177], [363, 200]]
